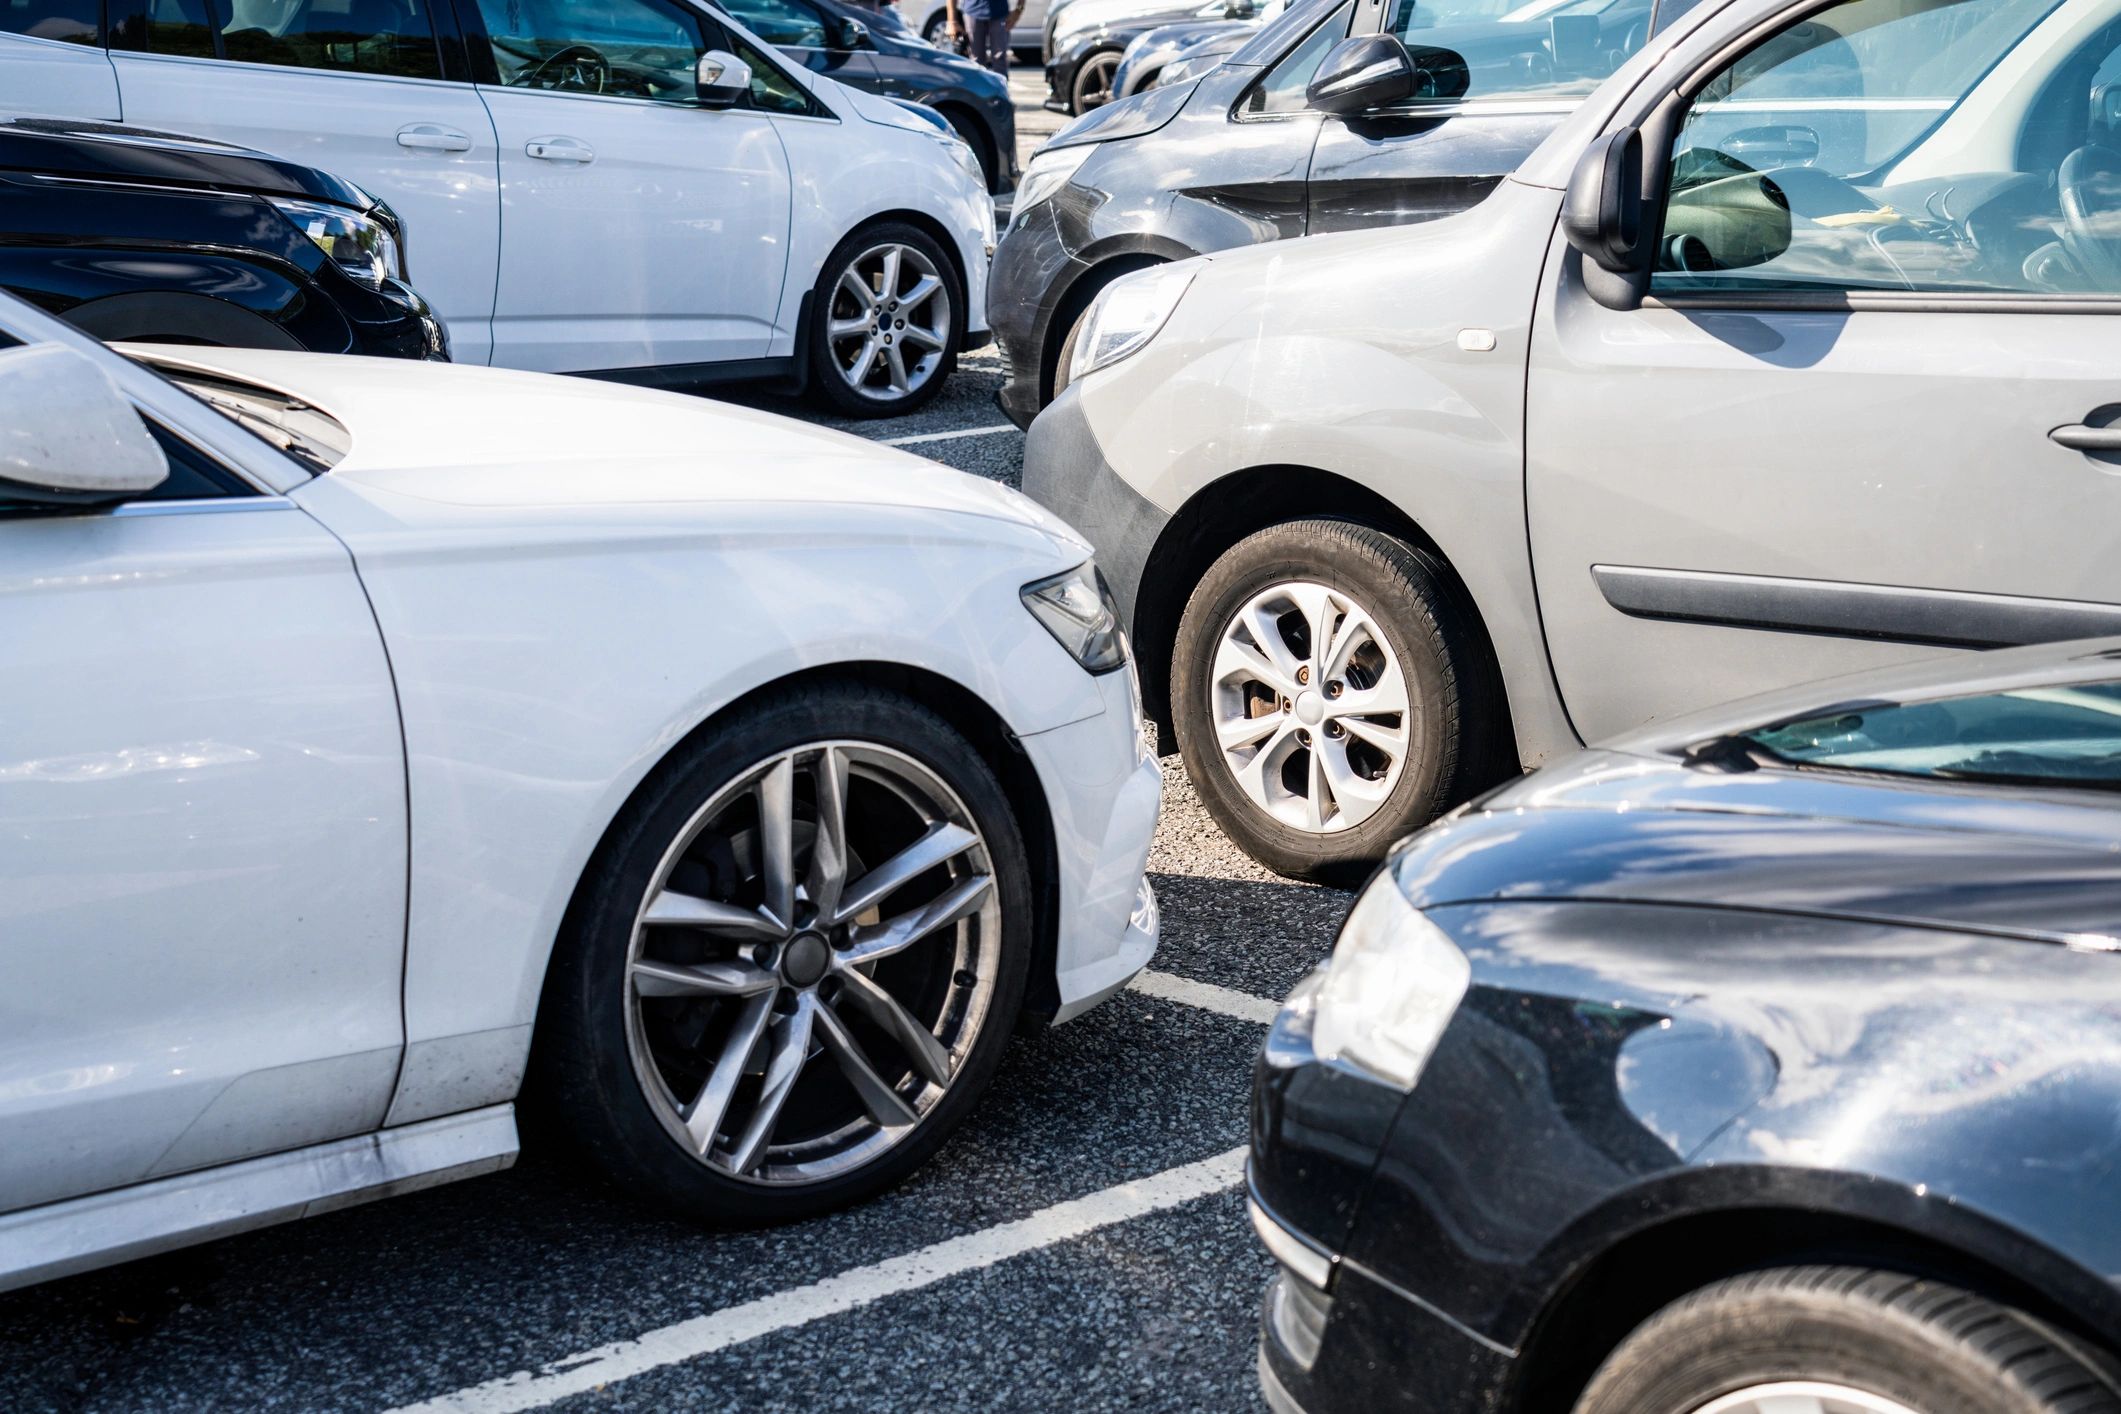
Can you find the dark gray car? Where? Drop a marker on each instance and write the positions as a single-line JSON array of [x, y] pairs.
[[1242, 155]]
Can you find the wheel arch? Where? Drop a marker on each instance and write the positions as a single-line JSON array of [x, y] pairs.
[[148, 314], [1242, 504], [1102, 264], [966, 119]]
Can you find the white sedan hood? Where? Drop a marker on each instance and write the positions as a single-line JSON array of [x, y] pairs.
[[492, 437]]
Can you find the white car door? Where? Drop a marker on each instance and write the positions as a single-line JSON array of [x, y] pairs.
[[202, 836], [638, 229], [52, 63], [355, 87], [1870, 409]]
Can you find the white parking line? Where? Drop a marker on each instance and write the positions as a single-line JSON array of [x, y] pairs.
[[1207, 996], [850, 1290], [950, 436]]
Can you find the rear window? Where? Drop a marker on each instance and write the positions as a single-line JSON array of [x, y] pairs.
[[2067, 735]]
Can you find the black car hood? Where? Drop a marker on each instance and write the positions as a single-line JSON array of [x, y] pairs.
[[1615, 826], [111, 152]]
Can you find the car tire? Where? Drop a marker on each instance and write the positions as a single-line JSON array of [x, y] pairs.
[[1318, 780], [837, 348], [1092, 87], [670, 974], [1862, 1340]]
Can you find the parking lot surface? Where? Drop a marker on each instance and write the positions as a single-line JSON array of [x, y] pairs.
[[1080, 1244]]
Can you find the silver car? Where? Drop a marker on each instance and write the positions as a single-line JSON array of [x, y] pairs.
[[1796, 350]]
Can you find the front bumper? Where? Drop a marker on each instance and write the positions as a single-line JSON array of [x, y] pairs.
[[393, 322], [1066, 472]]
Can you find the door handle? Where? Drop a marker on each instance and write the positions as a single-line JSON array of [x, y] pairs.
[[560, 149], [2082, 437], [433, 137]]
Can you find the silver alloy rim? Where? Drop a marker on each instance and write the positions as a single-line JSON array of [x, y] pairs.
[[793, 1012], [1801, 1397], [888, 321], [1309, 707], [1097, 90]]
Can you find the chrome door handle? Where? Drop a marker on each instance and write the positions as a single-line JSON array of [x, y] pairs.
[[560, 149], [433, 137], [2081, 437]]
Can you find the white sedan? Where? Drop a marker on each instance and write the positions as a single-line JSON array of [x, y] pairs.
[[379, 740]]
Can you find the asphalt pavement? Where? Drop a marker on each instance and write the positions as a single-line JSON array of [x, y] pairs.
[[1081, 1244]]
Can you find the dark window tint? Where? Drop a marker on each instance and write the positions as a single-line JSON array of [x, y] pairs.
[[358, 36], [619, 48], [786, 22], [73, 21], [180, 27], [2068, 735], [193, 475]]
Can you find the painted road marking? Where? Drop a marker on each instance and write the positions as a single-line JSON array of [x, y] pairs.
[[949, 436], [1207, 996]]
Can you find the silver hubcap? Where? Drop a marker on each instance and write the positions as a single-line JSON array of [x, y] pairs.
[[1801, 1397], [889, 322], [1309, 706], [793, 1011]]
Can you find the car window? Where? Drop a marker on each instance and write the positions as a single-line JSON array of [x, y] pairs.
[[1962, 146], [73, 21], [179, 27], [354, 36], [787, 22], [771, 90], [2068, 735], [1281, 90], [619, 48], [1527, 49]]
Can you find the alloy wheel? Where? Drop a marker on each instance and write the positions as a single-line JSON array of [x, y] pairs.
[[1801, 1397], [793, 1009], [1309, 706], [889, 321], [1093, 83]]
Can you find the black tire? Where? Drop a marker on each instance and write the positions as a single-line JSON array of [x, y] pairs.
[[1454, 708], [1929, 1347], [935, 30], [583, 1075], [826, 380], [1092, 87]]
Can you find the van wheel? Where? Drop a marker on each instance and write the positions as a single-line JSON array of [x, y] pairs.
[[1329, 695], [1845, 1340], [886, 322]]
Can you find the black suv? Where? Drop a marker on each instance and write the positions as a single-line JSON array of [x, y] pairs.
[[131, 234]]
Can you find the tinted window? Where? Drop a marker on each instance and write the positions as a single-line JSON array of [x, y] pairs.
[[1559, 49], [180, 27], [621, 48], [357, 36], [1282, 90], [781, 22], [74, 21], [2068, 735]]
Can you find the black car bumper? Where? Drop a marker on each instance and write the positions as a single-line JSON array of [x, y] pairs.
[[1034, 266], [393, 322], [1065, 471]]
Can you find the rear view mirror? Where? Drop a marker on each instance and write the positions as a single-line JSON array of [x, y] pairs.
[[1774, 145], [68, 437], [1377, 71], [723, 78], [1602, 217]]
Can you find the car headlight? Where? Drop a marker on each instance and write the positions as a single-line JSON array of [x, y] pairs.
[[1077, 608], [1047, 174], [967, 160], [361, 247], [1126, 315], [1393, 984]]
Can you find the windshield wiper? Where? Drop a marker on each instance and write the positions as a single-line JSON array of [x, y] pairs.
[[266, 428]]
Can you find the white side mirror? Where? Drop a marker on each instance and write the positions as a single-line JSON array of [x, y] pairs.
[[68, 437], [724, 79]]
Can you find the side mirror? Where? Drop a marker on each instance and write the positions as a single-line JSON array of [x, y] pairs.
[[1602, 217], [853, 34], [1377, 71], [724, 79], [1774, 145], [1238, 9], [68, 437]]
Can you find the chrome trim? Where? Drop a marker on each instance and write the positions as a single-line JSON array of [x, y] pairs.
[[1298, 1255], [1946, 618], [204, 506], [59, 1239]]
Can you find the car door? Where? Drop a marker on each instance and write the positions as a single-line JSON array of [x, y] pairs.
[[639, 229], [202, 794], [809, 35], [1862, 415], [355, 87], [1527, 65], [52, 63]]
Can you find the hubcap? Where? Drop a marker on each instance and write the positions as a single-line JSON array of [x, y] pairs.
[[793, 1011], [889, 322], [1801, 1397], [1310, 707]]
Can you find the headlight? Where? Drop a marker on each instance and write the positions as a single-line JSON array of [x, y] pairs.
[[1047, 174], [967, 160], [1077, 608], [1126, 314], [362, 248], [1393, 983]]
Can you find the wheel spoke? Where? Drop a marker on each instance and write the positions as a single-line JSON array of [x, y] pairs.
[[915, 334], [1318, 798], [1236, 733], [703, 1118], [891, 270], [859, 373], [942, 842], [929, 1057], [1356, 796], [700, 979], [790, 1040], [895, 359], [1388, 695], [1252, 775], [902, 932], [1354, 628], [670, 909], [923, 290], [1315, 603], [1266, 633], [883, 1103], [847, 328], [828, 857], [777, 841], [1392, 741], [855, 285], [1237, 658]]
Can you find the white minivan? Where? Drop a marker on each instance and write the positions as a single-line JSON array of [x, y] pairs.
[[631, 187]]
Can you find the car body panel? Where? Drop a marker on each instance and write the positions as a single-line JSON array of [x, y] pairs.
[[53, 78]]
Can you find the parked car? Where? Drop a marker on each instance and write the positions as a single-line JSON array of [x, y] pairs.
[[132, 234], [1265, 159], [1763, 1062], [753, 781], [635, 188], [1392, 513], [1085, 45], [874, 51], [1175, 53]]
